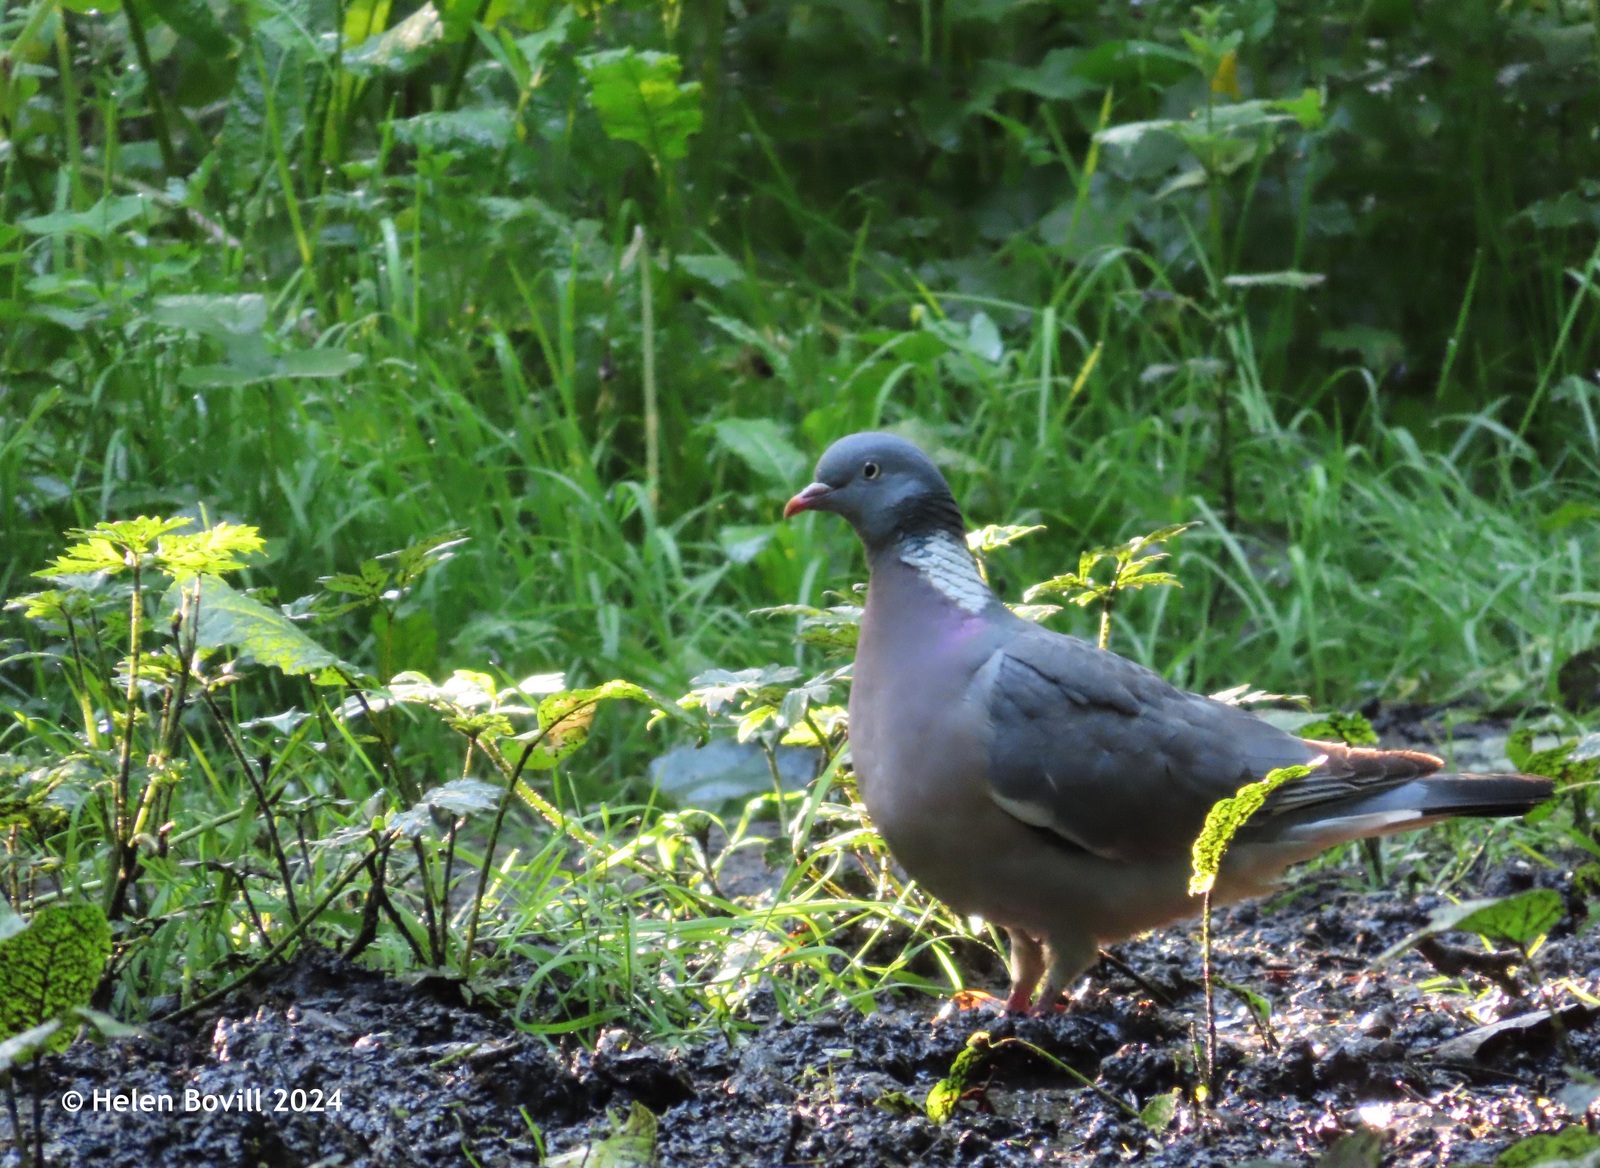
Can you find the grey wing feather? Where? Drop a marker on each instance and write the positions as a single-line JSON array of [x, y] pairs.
[[1113, 759]]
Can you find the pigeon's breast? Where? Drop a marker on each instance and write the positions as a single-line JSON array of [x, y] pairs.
[[918, 741]]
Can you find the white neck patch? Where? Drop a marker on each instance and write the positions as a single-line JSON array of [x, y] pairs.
[[943, 560]]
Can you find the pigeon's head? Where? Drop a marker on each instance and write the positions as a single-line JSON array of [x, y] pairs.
[[885, 487]]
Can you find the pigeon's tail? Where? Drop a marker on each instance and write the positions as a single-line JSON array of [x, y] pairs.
[[1483, 795], [1415, 803]]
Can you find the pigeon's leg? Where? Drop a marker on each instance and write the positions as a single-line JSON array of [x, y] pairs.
[[1027, 967], [1067, 961]]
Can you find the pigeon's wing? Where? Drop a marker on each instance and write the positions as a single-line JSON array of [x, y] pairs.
[[1114, 760]]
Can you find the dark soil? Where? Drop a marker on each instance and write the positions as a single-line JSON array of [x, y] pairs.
[[424, 1079], [1450, 1074]]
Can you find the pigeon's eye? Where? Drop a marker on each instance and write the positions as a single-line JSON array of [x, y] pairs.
[[870, 471]]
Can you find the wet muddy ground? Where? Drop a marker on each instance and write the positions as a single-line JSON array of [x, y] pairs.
[[1450, 1070]]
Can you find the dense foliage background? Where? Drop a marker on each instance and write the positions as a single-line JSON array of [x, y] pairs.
[[593, 284]]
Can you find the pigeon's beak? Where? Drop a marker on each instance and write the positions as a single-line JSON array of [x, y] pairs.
[[807, 500]]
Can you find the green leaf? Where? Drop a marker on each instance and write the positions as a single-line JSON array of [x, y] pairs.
[[51, 968], [220, 548], [1520, 919], [232, 619], [1225, 819], [764, 446], [631, 1144], [947, 1092], [1362, 1148], [1305, 109], [995, 536], [97, 222], [1158, 1113], [194, 21], [1570, 1144], [640, 99], [213, 316], [107, 547], [717, 270], [402, 47], [24, 1047], [565, 719], [1349, 727]]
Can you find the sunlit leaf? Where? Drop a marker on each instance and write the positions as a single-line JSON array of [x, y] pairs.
[[52, 967], [640, 99]]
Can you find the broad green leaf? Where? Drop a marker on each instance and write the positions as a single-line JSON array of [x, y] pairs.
[[194, 21], [1520, 919], [716, 689], [457, 799], [232, 619], [52, 967], [250, 368], [640, 99], [764, 446], [97, 222], [1225, 819], [401, 48], [213, 316], [717, 270], [487, 127], [566, 718]]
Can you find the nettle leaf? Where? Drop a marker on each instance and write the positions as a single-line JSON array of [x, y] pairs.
[[1348, 727], [837, 627], [457, 799], [107, 547], [229, 619], [764, 446], [716, 689], [1227, 816], [51, 968], [995, 536], [218, 549], [1521, 919], [1568, 762], [566, 718], [640, 99]]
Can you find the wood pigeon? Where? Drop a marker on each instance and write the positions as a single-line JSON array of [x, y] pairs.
[[1055, 788]]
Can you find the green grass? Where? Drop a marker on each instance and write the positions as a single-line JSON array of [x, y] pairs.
[[360, 304]]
